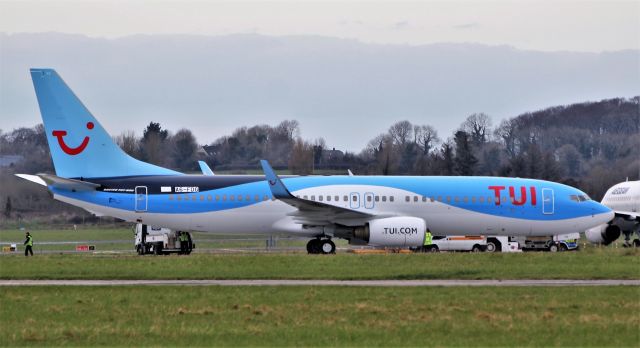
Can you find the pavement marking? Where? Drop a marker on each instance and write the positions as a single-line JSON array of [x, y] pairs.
[[295, 282]]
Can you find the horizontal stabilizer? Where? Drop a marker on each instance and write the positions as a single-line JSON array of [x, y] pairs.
[[59, 182]]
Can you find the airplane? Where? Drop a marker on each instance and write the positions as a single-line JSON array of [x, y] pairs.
[[93, 173], [624, 200]]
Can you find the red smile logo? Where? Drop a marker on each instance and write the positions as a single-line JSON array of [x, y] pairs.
[[71, 150]]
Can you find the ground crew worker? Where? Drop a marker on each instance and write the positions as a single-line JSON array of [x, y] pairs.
[[29, 245], [184, 242], [428, 240]]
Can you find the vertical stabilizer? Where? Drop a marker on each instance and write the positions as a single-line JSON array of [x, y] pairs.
[[79, 146]]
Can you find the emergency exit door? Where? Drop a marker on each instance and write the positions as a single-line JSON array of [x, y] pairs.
[[547, 201], [141, 198]]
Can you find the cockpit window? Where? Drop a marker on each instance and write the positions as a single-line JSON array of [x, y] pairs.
[[579, 198]]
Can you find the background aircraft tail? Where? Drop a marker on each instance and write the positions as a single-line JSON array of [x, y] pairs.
[[80, 146]]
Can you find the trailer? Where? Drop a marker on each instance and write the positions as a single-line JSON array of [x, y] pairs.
[[561, 242], [161, 241]]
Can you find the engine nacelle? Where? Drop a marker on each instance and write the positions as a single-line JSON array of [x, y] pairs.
[[393, 232], [604, 234]]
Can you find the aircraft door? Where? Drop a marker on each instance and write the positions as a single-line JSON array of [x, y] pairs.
[[354, 200], [141, 198], [547, 201], [369, 200]]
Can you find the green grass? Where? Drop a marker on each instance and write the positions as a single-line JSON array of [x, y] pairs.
[[308, 316], [594, 264]]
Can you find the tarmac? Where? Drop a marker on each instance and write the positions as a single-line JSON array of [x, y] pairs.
[[296, 282]]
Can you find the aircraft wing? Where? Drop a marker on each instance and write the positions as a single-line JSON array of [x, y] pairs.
[[628, 215], [205, 168], [309, 212], [59, 182]]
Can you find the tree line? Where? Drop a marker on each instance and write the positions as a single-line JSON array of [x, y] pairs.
[[587, 145]]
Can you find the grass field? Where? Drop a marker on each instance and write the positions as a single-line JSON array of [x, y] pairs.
[[308, 316], [594, 264]]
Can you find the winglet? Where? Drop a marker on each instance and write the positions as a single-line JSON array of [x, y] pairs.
[[205, 168], [349, 171], [275, 184]]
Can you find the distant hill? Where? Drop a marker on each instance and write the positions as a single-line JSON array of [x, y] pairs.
[[342, 90]]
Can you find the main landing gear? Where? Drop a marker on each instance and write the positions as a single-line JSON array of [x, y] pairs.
[[321, 246]]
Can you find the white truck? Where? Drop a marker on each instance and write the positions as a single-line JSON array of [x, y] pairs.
[[160, 241], [456, 243], [502, 244]]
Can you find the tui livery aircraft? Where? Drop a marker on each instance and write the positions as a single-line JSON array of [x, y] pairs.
[[93, 173]]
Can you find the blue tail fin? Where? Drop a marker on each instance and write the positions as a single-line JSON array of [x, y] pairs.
[[79, 146]]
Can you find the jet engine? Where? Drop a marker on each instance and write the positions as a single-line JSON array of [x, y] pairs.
[[402, 231], [604, 234]]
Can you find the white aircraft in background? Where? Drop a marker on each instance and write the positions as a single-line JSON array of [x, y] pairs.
[[624, 200]]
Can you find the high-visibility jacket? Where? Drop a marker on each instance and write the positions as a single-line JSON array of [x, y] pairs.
[[427, 238], [184, 238], [29, 241]]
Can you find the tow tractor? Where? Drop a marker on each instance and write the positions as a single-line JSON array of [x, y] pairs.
[[160, 241], [562, 242]]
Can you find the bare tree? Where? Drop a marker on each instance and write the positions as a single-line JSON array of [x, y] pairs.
[[426, 137], [400, 132], [478, 126], [128, 142]]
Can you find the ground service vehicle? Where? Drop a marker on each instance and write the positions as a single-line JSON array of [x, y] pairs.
[[160, 241], [502, 244], [561, 242], [456, 243]]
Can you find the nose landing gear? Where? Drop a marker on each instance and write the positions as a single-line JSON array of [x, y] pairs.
[[321, 246]]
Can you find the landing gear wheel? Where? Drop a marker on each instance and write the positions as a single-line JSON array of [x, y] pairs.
[[327, 246], [553, 248], [314, 246]]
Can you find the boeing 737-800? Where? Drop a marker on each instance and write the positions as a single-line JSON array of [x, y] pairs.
[[93, 173]]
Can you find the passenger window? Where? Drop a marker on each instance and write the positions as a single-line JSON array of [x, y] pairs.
[[346, 198], [415, 198], [448, 199], [457, 199], [313, 197], [178, 198], [232, 198], [320, 198], [266, 198], [432, 200], [257, 198], [369, 198], [336, 198], [424, 198], [407, 199], [377, 198], [186, 198], [355, 198], [224, 198], [439, 198], [466, 199], [209, 198], [201, 197], [489, 200], [481, 199], [247, 198], [239, 198], [390, 198], [473, 199], [194, 198], [384, 198], [170, 197], [328, 198], [306, 197]]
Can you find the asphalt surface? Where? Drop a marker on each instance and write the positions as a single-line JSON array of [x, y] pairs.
[[292, 282]]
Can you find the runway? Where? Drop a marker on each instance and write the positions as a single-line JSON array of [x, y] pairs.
[[294, 282]]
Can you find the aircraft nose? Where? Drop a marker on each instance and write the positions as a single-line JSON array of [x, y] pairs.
[[602, 211]]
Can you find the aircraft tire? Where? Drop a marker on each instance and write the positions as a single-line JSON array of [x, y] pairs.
[[327, 246]]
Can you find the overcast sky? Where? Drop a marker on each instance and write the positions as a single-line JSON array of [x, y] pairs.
[[539, 25]]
